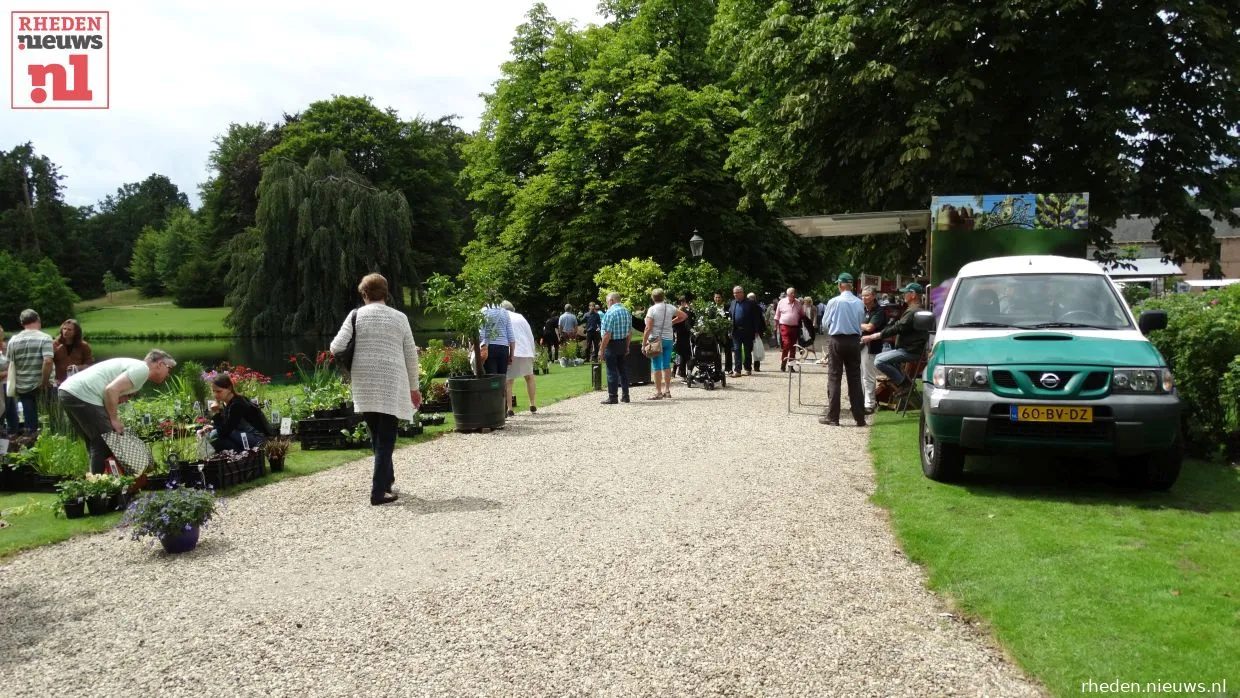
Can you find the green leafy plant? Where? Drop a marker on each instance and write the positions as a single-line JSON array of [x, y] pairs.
[[430, 361], [632, 278], [277, 447], [168, 512], [106, 485], [460, 302], [1135, 294], [701, 279], [1201, 344], [54, 454], [53, 415], [712, 321], [192, 371], [70, 491]]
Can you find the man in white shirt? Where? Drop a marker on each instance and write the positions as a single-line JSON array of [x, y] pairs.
[[522, 365]]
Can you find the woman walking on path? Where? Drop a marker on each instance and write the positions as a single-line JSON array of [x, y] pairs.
[[384, 375], [659, 321], [70, 352]]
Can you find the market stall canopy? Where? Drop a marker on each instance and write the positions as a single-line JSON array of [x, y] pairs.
[[845, 224], [1149, 267]]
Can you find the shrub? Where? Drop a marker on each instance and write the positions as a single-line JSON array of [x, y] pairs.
[[1202, 346], [168, 512], [1135, 294]]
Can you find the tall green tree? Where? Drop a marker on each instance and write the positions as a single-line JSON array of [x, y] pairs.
[[609, 142], [320, 228], [855, 105], [119, 219], [418, 158]]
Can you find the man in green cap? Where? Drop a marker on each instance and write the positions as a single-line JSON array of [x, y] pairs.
[[910, 342], [842, 324]]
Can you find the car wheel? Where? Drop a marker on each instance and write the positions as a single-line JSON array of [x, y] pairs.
[[1158, 470], [940, 462]]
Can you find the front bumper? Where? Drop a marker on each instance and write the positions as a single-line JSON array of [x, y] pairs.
[[1124, 424]]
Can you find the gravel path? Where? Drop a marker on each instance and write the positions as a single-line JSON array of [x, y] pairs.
[[575, 553]]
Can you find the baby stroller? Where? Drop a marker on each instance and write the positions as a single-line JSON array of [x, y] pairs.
[[706, 366]]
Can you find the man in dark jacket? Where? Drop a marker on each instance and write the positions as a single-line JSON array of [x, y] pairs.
[[593, 323], [910, 342], [874, 321], [746, 324]]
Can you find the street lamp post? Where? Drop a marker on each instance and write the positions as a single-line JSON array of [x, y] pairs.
[[696, 245]]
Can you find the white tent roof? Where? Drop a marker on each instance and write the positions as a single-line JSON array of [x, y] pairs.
[[1148, 267], [1212, 283], [843, 224]]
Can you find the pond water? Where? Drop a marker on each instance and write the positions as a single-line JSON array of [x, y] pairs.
[[267, 355]]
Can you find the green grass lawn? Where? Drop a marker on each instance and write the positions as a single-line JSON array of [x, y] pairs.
[[1080, 579], [152, 321], [127, 297], [32, 522]]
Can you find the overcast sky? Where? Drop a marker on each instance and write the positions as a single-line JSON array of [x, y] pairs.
[[181, 72]]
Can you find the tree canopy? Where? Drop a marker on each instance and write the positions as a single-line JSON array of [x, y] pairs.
[[610, 142], [856, 105], [320, 228]]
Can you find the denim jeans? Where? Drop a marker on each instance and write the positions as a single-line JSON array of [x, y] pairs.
[[891, 362], [30, 410], [617, 370], [383, 440], [232, 442]]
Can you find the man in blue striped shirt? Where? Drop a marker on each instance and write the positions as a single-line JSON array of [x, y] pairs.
[[497, 342], [843, 323], [617, 326]]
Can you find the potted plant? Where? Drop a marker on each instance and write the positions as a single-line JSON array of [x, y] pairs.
[[277, 448], [101, 493], [173, 516], [478, 401], [71, 498]]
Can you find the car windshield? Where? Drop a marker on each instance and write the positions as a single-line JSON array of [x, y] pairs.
[[1035, 301]]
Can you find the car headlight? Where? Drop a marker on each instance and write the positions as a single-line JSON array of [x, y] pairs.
[[1143, 380], [961, 377]]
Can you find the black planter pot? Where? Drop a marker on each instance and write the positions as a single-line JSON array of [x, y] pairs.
[[75, 510], [99, 505], [323, 414], [478, 401], [638, 365], [277, 464]]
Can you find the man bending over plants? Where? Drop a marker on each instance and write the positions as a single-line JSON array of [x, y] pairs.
[[91, 397]]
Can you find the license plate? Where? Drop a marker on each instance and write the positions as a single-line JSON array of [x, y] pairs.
[[1044, 413]]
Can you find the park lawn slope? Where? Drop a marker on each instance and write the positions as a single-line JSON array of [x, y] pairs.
[[1080, 579], [165, 321], [32, 520]]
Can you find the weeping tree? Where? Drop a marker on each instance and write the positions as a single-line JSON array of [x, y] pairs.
[[320, 228]]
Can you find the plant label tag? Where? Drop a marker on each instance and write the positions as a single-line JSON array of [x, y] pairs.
[[245, 441], [197, 407], [286, 427], [146, 418], [275, 416], [4, 446]]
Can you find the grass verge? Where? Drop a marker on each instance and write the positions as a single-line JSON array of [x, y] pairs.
[[152, 322], [32, 521], [1080, 579]]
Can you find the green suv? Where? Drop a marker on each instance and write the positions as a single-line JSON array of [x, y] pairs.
[[1041, 352]]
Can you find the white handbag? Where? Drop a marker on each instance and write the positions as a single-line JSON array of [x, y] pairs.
[[11, 384]]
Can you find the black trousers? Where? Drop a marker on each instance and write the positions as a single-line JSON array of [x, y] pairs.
[[683, 349], [742, 349], [593, 338], [845, 357], [383, 441]]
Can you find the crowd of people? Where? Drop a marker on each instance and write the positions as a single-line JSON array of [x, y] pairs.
[[860, 339]]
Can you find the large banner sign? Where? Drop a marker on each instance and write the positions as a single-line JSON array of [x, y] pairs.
[[973, 227]]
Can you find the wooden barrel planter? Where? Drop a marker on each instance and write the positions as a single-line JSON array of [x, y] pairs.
[[478, 402]]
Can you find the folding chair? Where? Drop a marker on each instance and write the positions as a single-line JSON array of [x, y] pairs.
[[913, 372]]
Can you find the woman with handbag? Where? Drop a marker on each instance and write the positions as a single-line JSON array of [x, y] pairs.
[[383, 364], [657, 342]]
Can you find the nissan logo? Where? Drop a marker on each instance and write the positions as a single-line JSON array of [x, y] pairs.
[[1049, 381]]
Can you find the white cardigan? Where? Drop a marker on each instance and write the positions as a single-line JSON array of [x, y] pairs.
[[385, 360]]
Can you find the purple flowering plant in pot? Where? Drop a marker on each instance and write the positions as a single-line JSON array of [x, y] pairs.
[[173, 516]]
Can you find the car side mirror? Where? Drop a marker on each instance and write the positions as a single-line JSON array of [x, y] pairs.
[[923, 321], [1151, 320]]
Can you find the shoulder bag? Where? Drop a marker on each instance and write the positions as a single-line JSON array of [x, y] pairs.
[[653, 346], [344, 359]]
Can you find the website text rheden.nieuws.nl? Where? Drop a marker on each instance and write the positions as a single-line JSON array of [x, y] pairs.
[[1174, 688]]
